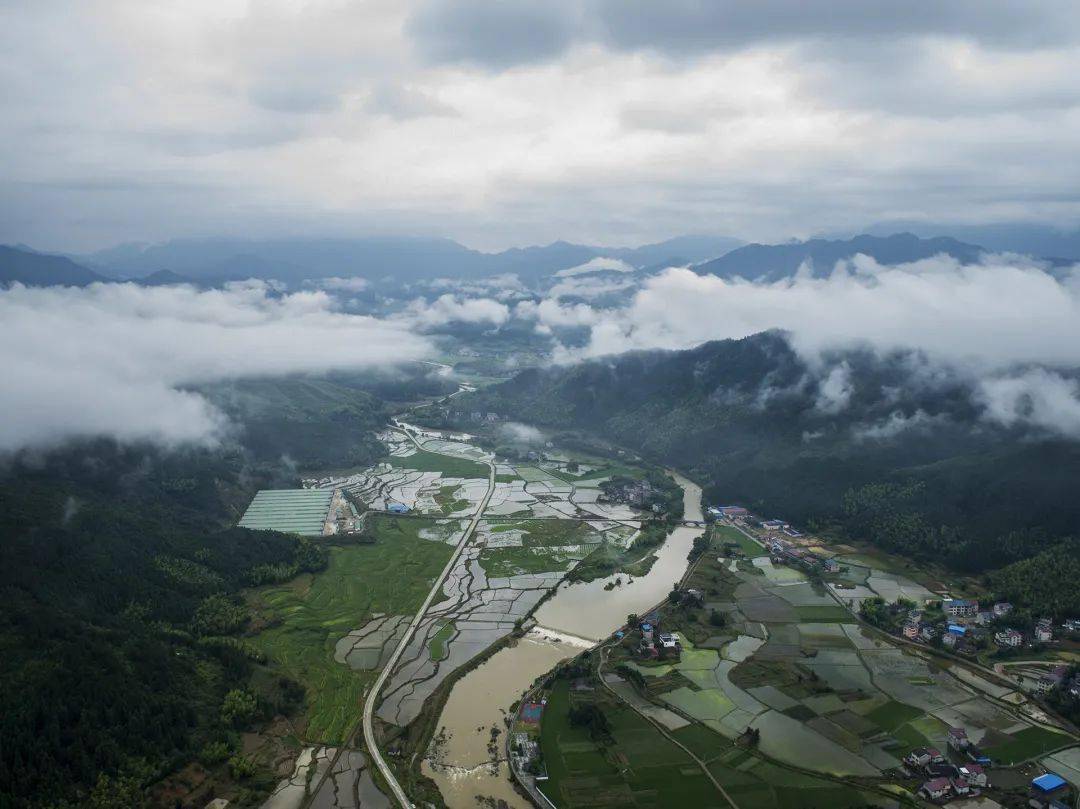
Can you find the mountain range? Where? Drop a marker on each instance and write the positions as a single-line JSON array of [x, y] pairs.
[[404, 260]]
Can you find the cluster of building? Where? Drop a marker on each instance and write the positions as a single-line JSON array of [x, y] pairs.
[[783, 552], [656, 644], [637, 493], [945, 779], [967, 622]]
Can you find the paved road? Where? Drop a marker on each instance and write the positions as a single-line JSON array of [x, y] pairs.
[[436, 589]]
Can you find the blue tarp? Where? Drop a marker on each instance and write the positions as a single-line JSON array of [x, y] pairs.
[[1048, 782]]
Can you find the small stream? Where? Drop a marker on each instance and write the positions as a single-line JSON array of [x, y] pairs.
[[576, 617]]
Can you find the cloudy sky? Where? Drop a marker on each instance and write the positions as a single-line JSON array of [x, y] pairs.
[[500, 123]]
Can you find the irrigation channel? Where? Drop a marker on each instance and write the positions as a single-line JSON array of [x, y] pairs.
[[576, 617]]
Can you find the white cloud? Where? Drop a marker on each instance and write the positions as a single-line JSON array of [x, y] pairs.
[[834, 391], [111, 358], [598, 264], [1037, 396], [335, 284], [520, 433], [894, 425], [998, 313], [449, 308], [589, 287], [550, 313], [979, 321]]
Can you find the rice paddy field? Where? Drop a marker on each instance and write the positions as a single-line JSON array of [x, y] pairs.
[[823, 693], [637, 766], [390, 577]]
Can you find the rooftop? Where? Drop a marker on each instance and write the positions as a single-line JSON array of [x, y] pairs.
[[1048, 782], [294, 511]]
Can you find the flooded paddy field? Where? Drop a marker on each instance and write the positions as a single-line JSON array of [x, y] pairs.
[[788, 662]]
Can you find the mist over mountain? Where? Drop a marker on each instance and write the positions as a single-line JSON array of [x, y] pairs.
[[762, 426], [769, 262]]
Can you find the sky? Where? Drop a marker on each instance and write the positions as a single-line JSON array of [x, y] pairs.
[[512, 123]]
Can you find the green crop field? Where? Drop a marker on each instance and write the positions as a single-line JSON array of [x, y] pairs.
[[725, 533], [892, 715], [437, 645], [635, 767], [424, 461], [513, 561], [391, 576], [1027, 743]]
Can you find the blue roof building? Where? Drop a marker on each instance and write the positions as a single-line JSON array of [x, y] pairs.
[[958, 629], [1050, 782], [397, 508]]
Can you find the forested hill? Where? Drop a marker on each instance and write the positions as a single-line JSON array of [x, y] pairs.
[[908, 465], [120, 575]]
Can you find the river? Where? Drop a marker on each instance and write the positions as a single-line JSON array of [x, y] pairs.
[[576, 617]]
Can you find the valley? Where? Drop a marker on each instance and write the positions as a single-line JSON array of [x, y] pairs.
[[779, 690]]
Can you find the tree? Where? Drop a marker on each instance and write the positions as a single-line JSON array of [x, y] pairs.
[[121, 792], [717, 618], [239, 707]]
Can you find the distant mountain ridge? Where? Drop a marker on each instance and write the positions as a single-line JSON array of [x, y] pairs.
[[211, 262], [402, 259], [20, 265], [772, 262]]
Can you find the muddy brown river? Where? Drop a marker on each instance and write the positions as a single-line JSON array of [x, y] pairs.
[[464, 762]]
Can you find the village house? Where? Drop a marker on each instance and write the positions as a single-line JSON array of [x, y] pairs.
[[974, 775], [927, 633], [954, 634], [830, 566], [959, 787], [1044, 630], [1002, 608], [1052, 679], [984, 617], [936, 790], [1009, 637], [1071, 625], [911, 630], [919, 757], [959, 607], [958, 739]]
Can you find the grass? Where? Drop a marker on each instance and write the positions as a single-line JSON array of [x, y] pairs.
[[725, 533], [446, 501], [424, 461], [892, 715], [437, 645], [514, 561], [391, 576], [1028, 743], [704, 743], [553, 533]]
